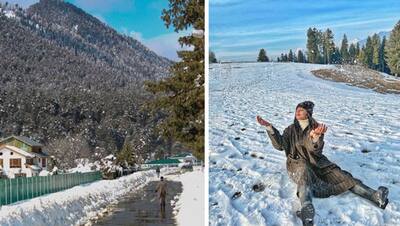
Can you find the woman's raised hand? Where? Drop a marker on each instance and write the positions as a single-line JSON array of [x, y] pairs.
[[319, 130], [262, 121]]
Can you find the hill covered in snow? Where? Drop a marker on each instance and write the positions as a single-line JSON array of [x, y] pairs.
[[249, 184]]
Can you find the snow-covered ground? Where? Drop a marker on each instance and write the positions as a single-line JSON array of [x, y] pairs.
[[77, 205], [363, 138], [190, 207]]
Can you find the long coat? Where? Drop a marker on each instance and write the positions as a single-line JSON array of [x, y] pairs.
[[306, 163], [161, 190]]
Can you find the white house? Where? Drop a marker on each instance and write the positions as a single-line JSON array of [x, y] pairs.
[[20, 156]]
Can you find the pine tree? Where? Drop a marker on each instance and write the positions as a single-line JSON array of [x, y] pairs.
[[212, 58], [126, 156], [357, 49], [181, 96], [313, 53], [290, 56], [262, 56], [392, 50], [368, 53], [361, 59], [300, 57], [382, 62], [328, 46], [282, 57], [344, 52], [336, 58], [352, 53], [285, 58], [376, 44]]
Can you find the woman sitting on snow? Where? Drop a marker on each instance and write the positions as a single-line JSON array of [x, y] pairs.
[[313, 173]]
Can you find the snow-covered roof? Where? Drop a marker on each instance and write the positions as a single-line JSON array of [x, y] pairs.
[[163, 161], [181, 155], [18, 150], [34, 167], [25, 140], [41, 154], [110, 157]]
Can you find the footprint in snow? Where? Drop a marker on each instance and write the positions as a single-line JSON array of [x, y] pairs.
[[232, 156], [236, 195], [258, 187], [254, 155], [365, 150]]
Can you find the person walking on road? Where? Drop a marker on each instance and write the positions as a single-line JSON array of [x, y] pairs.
[[158, 171], [162, 194]]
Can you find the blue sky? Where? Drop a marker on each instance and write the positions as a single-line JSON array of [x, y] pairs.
[[137, 18], [238, 29]]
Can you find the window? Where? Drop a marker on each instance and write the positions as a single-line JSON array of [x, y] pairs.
[[15, 163], [1, 153], [11, 153], [29, 161], [43, 162]]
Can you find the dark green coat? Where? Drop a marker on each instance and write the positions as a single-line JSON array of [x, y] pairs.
[[307, 164]]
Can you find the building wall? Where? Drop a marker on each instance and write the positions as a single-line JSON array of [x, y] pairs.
[[10, 172]]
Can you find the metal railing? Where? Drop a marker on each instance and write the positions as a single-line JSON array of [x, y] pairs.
[[21, 188]]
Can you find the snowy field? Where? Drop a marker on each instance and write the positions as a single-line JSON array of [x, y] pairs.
[[190, 207], [77, 205], [363, 138]]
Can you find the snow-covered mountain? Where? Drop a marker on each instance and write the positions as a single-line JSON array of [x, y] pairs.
[[363, 138], [380, 34], [67, 78]]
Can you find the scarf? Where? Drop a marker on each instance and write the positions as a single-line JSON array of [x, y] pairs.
[[303, 123]]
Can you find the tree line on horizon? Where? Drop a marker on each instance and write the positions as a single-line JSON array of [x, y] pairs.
[[377, 54]]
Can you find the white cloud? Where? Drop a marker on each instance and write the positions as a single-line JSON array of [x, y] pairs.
[[136, 35], [265, 41], [164, 45]]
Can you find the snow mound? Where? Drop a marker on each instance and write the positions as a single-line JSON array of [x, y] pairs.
[[189, 208]]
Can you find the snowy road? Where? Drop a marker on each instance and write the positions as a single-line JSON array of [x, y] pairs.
[[142, 207], [363, 138]]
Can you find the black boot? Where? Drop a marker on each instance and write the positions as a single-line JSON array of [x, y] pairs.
[[379, 197], [307, 212]]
